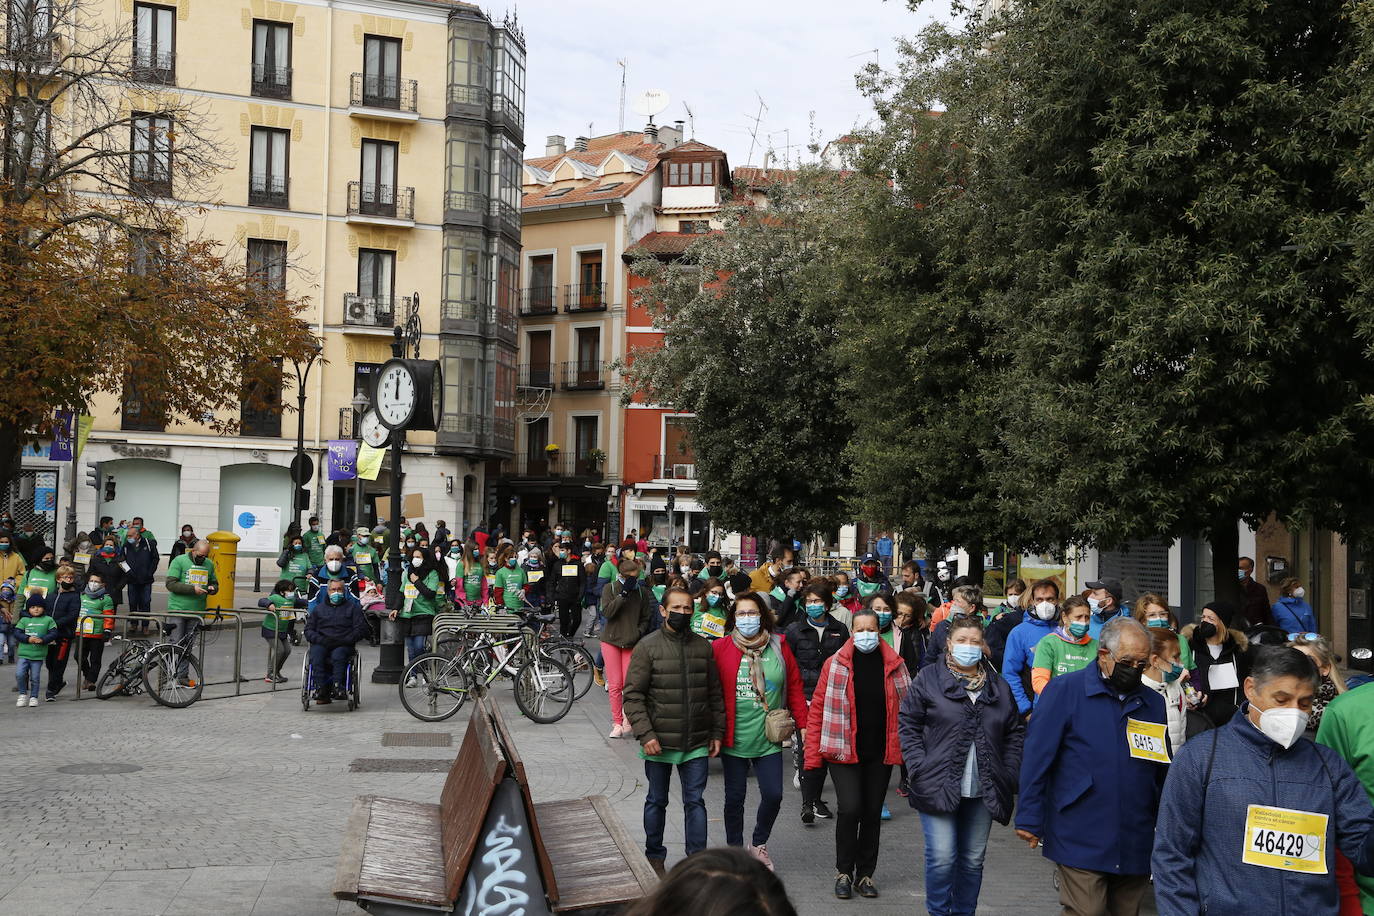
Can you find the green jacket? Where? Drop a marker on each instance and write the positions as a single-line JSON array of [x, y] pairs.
[[182, 577], [672, 691], [40, 626], [97, 615], [417, 604]]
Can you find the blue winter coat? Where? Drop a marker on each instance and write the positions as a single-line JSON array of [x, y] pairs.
[[1294, 615], [1092, 804], [937, 723], [1096, 621], [1201, 833], [1019, 656]]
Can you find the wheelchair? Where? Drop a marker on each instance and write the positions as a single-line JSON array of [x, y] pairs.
[[353, 680]]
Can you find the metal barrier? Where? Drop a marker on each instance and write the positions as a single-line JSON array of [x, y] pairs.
[[160, 618]]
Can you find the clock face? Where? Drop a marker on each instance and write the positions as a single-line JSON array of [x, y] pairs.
[[373, 432], [396, 393]]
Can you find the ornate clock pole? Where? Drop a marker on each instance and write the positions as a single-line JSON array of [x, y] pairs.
[[391, 661]]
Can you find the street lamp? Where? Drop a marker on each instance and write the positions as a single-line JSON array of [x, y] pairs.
[[360, 405], [301, 470]]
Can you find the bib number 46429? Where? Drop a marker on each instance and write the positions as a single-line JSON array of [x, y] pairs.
[[1285, 839]]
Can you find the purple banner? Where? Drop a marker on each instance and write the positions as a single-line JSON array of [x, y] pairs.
[[343, 459], [63, 437]]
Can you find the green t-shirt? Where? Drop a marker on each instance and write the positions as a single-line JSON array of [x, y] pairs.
[[749, 712], [183, 570], [707, 621], [888, 636], [675, 757], [364, 556], [284, 605], [45, 582], [93, 621], [1347, 727], [1185, 654], [314, 547], [298, 569], [866, 588], [416, 604], [658, 591], [472, 580], [29, 625], [512, 583], [607, 571], [1063, 657]]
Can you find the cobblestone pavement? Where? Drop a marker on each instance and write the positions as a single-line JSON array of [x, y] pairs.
[[237, 804]]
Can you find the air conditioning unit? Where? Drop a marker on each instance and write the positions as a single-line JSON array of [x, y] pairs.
[[359, 308], [685, 471]]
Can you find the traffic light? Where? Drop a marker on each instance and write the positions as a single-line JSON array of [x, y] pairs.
[[109, 488], [92, 475], [302, 499], [672, 498]]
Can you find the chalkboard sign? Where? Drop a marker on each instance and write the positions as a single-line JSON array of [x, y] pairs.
[[503, 874]]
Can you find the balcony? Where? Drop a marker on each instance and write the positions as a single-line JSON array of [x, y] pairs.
[[152, 65], [269, 191], [543, 466], [468, 102], [145, 179], [380, 204], [538, 300], [583, 376], [585, 297], [502, 217], [467, 208], [373, 313], [505, 113], [32, 47], [384, 98], [271, 82], [675, 467], [535, 375]]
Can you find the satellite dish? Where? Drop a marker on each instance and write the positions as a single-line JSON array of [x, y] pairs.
[[651, 103]]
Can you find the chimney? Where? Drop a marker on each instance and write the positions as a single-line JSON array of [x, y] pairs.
[[580, 144], [651, 133], [555, 145]]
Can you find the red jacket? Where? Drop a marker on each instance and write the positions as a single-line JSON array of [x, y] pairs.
[[896, 682], [728, 658]]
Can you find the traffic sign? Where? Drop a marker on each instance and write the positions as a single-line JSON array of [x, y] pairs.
[[302, 469]]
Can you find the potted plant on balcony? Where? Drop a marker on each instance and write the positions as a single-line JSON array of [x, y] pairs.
[[552, 450], [596, 457]]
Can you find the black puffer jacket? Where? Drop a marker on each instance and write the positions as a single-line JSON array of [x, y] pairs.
[[937, 723], [567, 590], [811, 652], [64, 608], [672, 691]]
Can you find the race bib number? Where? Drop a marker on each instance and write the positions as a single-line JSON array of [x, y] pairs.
[[491, 582], [362, 559], [411, 591], [198, 576], [124, 565], [712, 627], [82, 558], [92, 626], [569, 569], [1146, 740], [1285, 839], [536, 575]]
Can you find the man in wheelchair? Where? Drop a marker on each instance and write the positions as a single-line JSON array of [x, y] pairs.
[[333, 627]]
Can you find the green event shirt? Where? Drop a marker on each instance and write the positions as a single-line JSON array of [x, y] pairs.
[[1063, 657], [298, 569], [512, 583], [368, 569], [283, 604], [472, 581], [45, 581], [93, 610], [749, 712], [866, 588], [658, 591], [889, 636], [702, 616], [676, 757], [30, 625], [314, 547], [1347, 727], [183, 570], [416, 604]]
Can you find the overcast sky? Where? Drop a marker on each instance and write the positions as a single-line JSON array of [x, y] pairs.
[[799, 55]]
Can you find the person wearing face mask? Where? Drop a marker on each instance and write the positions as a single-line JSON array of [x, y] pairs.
[[536, 584], [1332, 685], [782, 599], [627, 609], [108, 562], [283, 601], [1006, 617], [140, 554], [96, 625], [1347, 727], [844, 593], [1018, 658], [1278, 808], [1292, 613], [886, 609], [658, 580], [511, 579], [1222, 662], [41, 578], [191, 580], [569, 583], [764, 578], [961, 736], [1154, 612], [709, 611], [179, 546], [335, 566], [713, 568], [64, 606], [1067, 648], [965, 601], [420, 593], [363, 556], [813, 638], [870, 579], [469, 572], [333, 626], [1254, 606], [852, 728], [910, 617], [758, 674], [12, 570], [1166, 676], [1094, 762], [295, 563], [1105, 599], [676, 710]]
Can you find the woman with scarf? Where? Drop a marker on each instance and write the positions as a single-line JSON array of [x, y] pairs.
[[758, 674], [961, 738], [1318, 648]]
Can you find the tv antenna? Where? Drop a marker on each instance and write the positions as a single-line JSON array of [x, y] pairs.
[[624, 64], [877, 60], [754, 133], [691, 122], [650, 103]]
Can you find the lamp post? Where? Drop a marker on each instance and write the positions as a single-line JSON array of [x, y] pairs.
[[391, 658], [360, 403], [301, 470]]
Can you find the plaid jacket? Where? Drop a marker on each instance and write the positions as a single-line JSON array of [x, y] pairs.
[[830, 727]]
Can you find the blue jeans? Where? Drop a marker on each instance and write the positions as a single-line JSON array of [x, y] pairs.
[[692, 774], [416, 646], [768, 773], [334, 660], [28, 675], [140, 601], [955, 845]]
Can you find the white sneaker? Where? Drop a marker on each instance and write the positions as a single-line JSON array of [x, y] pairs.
[[22, 701], [412, 682], [33, 701], [796, 779]]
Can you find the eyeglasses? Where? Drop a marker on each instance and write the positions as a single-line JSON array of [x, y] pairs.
[[1139, 665], [1294, 637]]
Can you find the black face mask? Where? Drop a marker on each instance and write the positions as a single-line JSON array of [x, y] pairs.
[[713, 571], [1124, 678], [47, 565], [1206, 629], [679, 621]]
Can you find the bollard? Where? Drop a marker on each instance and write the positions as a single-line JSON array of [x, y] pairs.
[[224, 551], [257, 575]]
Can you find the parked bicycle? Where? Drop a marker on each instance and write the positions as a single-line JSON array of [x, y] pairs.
[[144, 665]]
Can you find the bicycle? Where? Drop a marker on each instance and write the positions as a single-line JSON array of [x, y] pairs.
[[453, 637], [150, 666], [434, 687]]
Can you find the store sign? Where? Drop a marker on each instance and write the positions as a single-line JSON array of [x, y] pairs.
[[141, 451]]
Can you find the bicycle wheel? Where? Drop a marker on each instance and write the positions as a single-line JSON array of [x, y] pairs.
[[578, 661], [544, 690], [160, 678], [305, 682], [118, 678], [479, 664], [433, 688]]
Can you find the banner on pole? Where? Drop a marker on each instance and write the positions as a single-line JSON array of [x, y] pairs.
[[370, 461], [63, 439], [343, 459], [83, 432]]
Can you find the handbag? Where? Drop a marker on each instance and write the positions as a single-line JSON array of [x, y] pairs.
[[778, 724]]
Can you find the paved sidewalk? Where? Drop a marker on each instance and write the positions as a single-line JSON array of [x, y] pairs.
[[235, 806]]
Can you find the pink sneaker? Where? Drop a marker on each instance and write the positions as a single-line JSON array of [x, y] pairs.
[[761, 853]]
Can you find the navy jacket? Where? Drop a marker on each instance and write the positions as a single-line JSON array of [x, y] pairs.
[[143, 561], [1090, 802], [1201, 833], [318, 580], [937, 723], [334, 625], [64, 608]]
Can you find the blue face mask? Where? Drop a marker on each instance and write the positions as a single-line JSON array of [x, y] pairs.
[[336, 597], [1173, 673], [1158, 621], [841, 591], [884, 619], [713, 599], [1240, 574], [966, 656], [866, 641], [815, 611], [1078, 630], [748, 626], [511, 562]]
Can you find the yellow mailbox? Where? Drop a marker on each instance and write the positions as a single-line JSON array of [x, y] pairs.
[[224, 554]]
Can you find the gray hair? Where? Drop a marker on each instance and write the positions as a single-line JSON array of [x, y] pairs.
[[1283, 661], [972, 595], [333, 550], [1110, 638]]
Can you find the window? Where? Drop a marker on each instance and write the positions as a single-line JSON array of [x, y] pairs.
[[606, 187], [467, 164], [267, 264], [539, 346], [364, 377], [376, 274], [557, 192], [378, 178], [694, 226], [154, 43], [29, 32], [692, 173], [381, 71], [465, 275], [260, 401], [268, 168], [26, 139], [536, 458], [271, 59], [510, 78], [139, 412], [467, 61], [539, 297], [588, 367], [589, 269], [151, 163], [505, 174], [584, 441]]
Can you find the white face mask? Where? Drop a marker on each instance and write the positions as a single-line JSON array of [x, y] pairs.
[[1299, 592], [1095, 604], [1046, 610], [417, 562], [1283, 725], [334, 565]]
